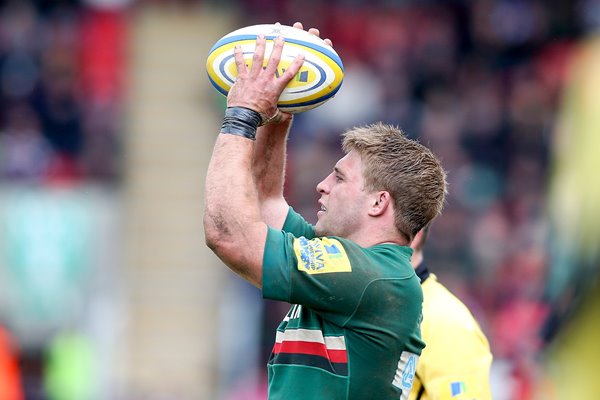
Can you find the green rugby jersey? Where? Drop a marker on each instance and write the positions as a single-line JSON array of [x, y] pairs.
[[353, 330]]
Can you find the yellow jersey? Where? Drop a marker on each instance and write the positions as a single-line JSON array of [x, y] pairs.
[[455, 363]]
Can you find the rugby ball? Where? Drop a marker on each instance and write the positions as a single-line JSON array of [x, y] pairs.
[[318, 80]]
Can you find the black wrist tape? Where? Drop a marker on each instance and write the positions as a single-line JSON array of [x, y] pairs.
[[241, 121]]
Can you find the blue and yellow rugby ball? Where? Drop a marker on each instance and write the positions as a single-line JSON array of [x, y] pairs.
[[318, 80]]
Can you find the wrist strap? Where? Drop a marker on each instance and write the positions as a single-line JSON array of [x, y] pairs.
[[241, 121]]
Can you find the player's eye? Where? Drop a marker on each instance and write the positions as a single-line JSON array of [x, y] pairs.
[[338, 178]]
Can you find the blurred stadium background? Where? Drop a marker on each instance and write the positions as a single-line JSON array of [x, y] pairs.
[[107, 121]]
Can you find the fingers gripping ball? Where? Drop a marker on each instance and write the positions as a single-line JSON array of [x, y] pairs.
[[318, 80]]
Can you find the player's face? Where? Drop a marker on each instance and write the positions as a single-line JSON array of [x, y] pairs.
[[343, 203]]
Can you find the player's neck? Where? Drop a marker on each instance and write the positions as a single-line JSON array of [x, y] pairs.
[[373, 237]]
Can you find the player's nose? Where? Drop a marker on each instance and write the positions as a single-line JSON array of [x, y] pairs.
[[322, 186], [325, 185]]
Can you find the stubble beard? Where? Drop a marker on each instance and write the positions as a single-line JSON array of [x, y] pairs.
[[342, 227], [322, 227]]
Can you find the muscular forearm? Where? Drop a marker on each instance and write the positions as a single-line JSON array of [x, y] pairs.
[[232, 216], [268, 165], [268, 168]]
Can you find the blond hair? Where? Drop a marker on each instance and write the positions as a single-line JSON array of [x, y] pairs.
[[406, 169]]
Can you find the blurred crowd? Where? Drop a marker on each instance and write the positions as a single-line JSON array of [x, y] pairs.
[[61, 100], [480, 83], [61, 69]]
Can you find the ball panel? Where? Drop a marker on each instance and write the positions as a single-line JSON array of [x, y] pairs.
[[222, 69], [272, 31], [318, 80], [321, 48], [305, 106]]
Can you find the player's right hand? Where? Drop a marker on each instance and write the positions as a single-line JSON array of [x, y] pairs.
[[259, 88]]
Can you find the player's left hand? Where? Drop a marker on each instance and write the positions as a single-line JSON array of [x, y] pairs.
[[313, 31]]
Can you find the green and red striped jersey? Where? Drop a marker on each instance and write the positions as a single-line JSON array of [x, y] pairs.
[[353, 329]]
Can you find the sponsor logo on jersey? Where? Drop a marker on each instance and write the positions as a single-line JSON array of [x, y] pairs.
[[321, 255], [405, 373], [408, 376], [294, 313]]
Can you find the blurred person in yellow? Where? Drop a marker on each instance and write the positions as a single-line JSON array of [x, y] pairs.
[[572, 359], [455, 363], [10, 374]]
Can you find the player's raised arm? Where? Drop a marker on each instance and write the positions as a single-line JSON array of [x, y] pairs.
[[233, 226], [269, 162]]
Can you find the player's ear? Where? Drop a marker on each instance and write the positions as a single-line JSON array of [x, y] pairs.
[[380, 201]]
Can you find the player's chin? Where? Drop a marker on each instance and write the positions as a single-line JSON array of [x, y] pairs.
[[320, 228]]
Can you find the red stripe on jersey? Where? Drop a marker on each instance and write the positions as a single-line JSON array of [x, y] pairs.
[[312, 348]]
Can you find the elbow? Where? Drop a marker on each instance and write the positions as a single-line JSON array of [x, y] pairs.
[[215, 243], [229, 246], [212, 236], [210, 241], [217, 234]]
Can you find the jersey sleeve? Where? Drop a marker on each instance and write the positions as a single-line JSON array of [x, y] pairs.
[[297, 225], [325, 274]]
